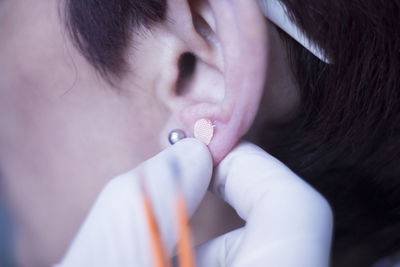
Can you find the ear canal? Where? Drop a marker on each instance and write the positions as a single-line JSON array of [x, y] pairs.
[[186, 70]]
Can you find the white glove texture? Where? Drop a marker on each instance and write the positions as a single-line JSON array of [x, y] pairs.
[[288, 223], [116, 231]]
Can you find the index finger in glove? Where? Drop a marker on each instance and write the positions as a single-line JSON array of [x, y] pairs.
[[283, 213], [116, 231], [248, 175], [184, 168]]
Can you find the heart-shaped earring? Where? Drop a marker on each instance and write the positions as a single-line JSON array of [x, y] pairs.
[[204, 130]]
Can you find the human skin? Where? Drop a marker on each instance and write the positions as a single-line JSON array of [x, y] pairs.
[[65, 131]]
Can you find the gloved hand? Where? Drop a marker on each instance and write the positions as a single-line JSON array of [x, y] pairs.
[[288, 223], [116, 232]]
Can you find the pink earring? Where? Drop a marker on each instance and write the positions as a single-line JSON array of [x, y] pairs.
[[204, 131]]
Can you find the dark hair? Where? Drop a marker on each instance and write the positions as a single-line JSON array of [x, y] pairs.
[[101, 30], [346, 141], [347, 138]]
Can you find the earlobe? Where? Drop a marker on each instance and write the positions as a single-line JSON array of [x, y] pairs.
[[215, 98]]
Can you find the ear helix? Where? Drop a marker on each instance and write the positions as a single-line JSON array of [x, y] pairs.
[[203, 131]]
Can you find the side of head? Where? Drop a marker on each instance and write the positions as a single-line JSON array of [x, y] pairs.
[[213, 60], [89, 89]]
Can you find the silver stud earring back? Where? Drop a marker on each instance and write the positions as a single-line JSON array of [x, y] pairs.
[[176, 135]]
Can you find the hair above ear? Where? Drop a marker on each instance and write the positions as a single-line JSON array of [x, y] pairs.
[[114, 22]]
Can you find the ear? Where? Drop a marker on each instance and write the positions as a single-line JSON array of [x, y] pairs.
[[215, 69]]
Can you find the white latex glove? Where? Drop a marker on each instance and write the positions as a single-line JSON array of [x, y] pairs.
[[115, 233], [288, 224]]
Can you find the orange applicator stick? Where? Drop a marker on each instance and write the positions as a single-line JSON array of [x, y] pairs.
[[184, 247], [185, 253], [160, 258]]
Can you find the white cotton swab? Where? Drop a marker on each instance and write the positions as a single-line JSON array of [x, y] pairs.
[[276, 13]]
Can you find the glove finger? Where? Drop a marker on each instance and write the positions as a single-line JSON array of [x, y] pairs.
[[116, 231], [283, 214], [184, 168], [246, 175], [220, 250]]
